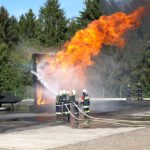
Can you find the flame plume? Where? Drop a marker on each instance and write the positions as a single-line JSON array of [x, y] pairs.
[[68, 68]]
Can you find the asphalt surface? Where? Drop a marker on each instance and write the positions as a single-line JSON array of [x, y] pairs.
[[21, 129], [17, 121]]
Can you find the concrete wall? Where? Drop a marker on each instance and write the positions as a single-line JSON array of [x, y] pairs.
[[117, 105], [97, 105]]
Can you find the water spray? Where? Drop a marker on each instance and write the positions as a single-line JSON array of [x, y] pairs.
[[43, 82]]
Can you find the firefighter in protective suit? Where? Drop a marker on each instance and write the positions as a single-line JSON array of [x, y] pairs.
[[74, 101], [68, 106], [86, 103], [128, 94], [58, 107], [139, 92], [65, 104]]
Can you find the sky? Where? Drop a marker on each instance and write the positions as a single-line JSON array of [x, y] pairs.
[[18, 7]]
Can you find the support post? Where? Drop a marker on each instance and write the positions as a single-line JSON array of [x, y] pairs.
[[12, 107]]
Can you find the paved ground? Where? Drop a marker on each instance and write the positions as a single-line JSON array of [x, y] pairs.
[[44, 137], [27, 131], [132, 140], [11, 121]]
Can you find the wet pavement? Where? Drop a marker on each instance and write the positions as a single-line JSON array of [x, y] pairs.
[[117, 114], [29, 131], [17, 121], [47, 133]]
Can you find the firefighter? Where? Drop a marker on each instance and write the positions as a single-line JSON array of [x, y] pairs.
[[86, 103], [139, 92], [65, 103], [74, 101], [68, 106], [58, 107], [128, 94]]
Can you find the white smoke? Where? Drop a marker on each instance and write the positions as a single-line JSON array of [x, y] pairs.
[[60, 78], [43, 82]]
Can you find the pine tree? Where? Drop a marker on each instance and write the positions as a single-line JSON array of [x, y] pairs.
[[8, 28], [27, 24], [72, 27], [92, 11], [141, 73], [9, 79], [22, 26], [52, 23]]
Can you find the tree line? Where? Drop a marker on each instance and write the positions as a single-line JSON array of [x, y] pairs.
[[51, 28]]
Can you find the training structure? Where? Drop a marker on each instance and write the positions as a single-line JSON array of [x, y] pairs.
[[42, 100]]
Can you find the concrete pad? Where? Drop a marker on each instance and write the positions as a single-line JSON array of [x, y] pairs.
[[7, 116], [45, 137], [133, 140]]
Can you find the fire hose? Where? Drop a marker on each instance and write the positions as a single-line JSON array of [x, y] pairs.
[[85, 113], [110, 121], [91, 116], [73, 115], [97, 119]]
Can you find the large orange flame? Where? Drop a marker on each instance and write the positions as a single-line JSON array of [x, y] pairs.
[[67, 68], [107, 30]]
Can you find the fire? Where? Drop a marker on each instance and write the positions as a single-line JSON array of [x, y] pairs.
[[108, 30], [68, 68], [40, 97]]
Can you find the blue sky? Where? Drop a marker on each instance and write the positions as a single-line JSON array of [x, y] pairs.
[[18, 7]]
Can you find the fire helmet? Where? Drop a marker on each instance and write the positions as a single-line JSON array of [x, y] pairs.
[[60, 92], [63, 92], [73, 92], [84, 91], [139, 84]]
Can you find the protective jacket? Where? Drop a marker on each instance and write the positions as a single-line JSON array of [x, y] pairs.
[[139, 91], [86, 103], [74, 101], [65, 103], [58, 105], [128, 92]]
